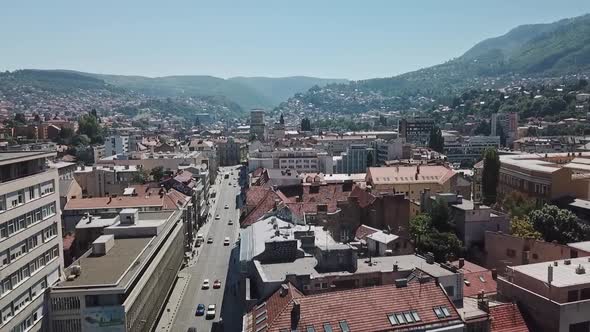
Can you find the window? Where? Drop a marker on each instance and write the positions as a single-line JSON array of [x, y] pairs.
[[450, 290], [309, 329], [344, 326], [324, 285], [392, 319], [400, 318], [415, 316], [442, 312], [328, 327], [585, 294], [408, 316]]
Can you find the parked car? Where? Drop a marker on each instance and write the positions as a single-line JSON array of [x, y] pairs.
[[200, 309], [226, 206], [217, 284], [205, 284], [226, 241], [210, 239], [230, 222], [217, 217], [210, 311]]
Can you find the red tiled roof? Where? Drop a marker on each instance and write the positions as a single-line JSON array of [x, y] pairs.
[[174, 199], [363, 231], [365, 198], [68, 240], [184, 176], [507, 318], [262, 206], [478, 279], [255, 195], [257, 172], [328, 194], [364, 309]]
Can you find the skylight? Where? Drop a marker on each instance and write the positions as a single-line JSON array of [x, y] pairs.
[[327, 327], [407, 317], [344, 326]]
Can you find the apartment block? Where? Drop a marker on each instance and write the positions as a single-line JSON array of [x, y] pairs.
[[116, 144], [30, 238], [416, 130]]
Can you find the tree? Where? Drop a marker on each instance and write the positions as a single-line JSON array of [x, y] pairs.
[[523, 227], [517, 205], [559, 225], [65, 136], [482, 129], [436, 141], [282, 120], [444, 245], [89, 126], [440, 216], [369, 159], [305, 124], [420, 226], [489, 177], [140, 177], [157, 173], [93, 113], [80, 140], [20, 119]]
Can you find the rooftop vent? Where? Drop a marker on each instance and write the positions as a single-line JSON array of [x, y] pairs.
[[129, 216], [580, 269], [567, 262], [402, 282], [103, 244]]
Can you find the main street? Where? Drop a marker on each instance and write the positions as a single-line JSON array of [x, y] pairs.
[[213, 262]]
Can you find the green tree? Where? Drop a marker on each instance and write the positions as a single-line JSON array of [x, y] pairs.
[[482, 129], [559, 225], [89, 126], [305, 124], [444, 245], [517, 205], [440, 216], [65, 136], [420, 227], [19, 119], [140, 177], [157, 173], [523, 227], [436, 141], [80, 140], [369, 159], [282, 119], [489, 177]]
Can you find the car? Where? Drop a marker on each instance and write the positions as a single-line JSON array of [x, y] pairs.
[[226, 206], [210, 239], [210, 311], [226, 241], [205, 284], [192, 329], [217, 284], [235, 186], [200, 309], [230, 222], [217, 217]]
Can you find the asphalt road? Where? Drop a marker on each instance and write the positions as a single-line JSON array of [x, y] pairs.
[[213, 262]]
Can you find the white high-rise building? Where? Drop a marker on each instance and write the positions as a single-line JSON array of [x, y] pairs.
[[116, 144], [30, 238]]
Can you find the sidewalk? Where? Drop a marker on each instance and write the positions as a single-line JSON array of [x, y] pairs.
[[171, 308]]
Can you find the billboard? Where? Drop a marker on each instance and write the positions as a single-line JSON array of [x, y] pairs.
[[111, 319]]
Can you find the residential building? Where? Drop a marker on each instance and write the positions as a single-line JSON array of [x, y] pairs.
[[98, 152], [116, 144], [476, 190], [394, 149], [257, 125], [121, 281], [412, 180], [416, 130], [229, 151], [554, 296], [417, 305], [99, 181], [30, 238], [503, 250], [336, 144], [168, 161], [509, 123], [471, 219]]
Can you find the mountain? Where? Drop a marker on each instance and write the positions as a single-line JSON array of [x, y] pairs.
[[552, 49], [279, 89]]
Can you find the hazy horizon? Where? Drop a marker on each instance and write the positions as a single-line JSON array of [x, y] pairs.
[[262, 39]]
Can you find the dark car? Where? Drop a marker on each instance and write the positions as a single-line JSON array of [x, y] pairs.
[[200, 310], [192, 329]]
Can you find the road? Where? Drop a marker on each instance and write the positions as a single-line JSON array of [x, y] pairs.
[[213, 262]]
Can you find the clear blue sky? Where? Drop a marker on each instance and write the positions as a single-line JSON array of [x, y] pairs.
[[341, 39]]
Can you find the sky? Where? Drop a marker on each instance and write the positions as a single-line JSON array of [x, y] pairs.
[[322, 38]]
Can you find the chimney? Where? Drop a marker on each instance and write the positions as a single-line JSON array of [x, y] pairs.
[[461, 262], [494, 274], [395, 267], [549, 274], [295, 315], [429, 258], [284, 290]]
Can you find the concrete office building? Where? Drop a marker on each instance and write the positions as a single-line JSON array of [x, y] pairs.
[[355, 159], [468, 148], [416, 130], [257, 126], [116, 144], [30, 238], [121, 281], [509, 123]]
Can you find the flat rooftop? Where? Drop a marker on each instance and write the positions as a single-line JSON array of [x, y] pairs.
[[9, 157], [118, 260], [563, 275]]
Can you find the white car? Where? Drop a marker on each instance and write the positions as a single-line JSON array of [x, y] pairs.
[[210, 311], [205, 284], [230, 222], [226, 241], [217, 217], [226, 206]]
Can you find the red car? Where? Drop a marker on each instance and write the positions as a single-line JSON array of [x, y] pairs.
[[217, 284]]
